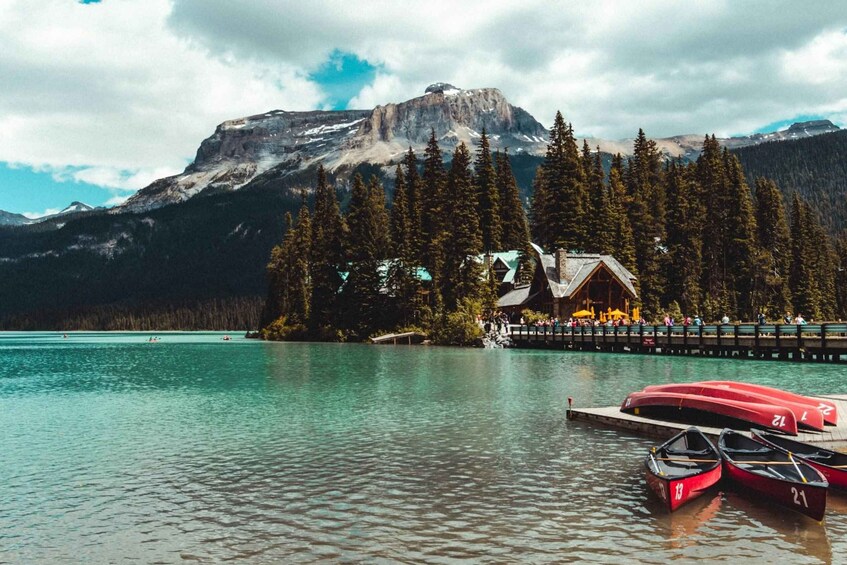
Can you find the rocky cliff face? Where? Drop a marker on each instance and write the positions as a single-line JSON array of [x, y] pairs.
[[281, 144]]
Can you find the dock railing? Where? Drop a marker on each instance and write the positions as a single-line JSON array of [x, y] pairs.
[[827, 341]]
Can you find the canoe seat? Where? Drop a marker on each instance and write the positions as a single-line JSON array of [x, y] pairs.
[[818, 456], [735, 451], [695, 452]]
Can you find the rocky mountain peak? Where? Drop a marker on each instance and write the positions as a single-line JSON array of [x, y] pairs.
[[286, 145], [441, 87]]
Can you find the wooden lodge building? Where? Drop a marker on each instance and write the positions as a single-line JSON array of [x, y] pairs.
[[563, 283]]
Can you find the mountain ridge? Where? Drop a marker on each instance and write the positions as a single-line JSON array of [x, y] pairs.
[[285, 147]]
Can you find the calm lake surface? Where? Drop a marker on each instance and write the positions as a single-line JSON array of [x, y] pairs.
[[195, 449]]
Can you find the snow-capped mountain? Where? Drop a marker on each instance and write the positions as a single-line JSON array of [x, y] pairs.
[[283, 144], [12, 219], [283, 148], [75, 207]]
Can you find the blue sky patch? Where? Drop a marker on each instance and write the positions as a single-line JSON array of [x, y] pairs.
[[24, 190], [342, 77], [783, 124]]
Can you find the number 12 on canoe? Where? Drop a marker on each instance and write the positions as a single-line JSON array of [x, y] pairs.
[[778, 421]]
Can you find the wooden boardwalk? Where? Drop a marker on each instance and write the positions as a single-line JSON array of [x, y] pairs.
[[402, 338], [834, 437], [818, 342]]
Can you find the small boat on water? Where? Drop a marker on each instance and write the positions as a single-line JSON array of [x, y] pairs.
[[831, 464], [681, 405], [683, 468], [806, 416], [774, 474], [827, 407]]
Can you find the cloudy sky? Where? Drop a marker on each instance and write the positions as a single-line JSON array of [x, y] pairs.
[[100, 98]]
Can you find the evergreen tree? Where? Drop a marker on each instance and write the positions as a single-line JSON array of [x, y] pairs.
[[623, 243], [364, 305], [402, 281], [566, 195], [515, 225], [433, 226], [462, 273], [599, 236], [540, 226], [774, 241], [401, 225], [740, 248], [646, 195], [804, 292], [327, 259], [288, 275], [684, 239], [414, 193], [716, 284], [841, 277], [488, 195]]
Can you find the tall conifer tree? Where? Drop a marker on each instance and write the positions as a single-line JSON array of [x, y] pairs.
[[623, 243], [489, 197], [328, 232], [364, 303], [433, 226], [414, 192], [514, 222], [462, 274], [774, 241], [684, 239], [647, 215], [567, 197]]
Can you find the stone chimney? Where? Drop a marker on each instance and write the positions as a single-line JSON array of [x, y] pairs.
[[561, 264]]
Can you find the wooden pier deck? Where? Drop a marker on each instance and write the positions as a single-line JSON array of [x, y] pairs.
[[394, 339], [814, 342], [834, 437]]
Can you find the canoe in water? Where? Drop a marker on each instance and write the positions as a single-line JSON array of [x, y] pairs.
[[772, 474], [682, 468]]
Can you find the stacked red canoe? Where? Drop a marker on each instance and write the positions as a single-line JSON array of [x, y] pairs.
[[756, 405]]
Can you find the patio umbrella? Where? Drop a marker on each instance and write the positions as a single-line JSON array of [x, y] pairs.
[[582, 314], [617, 314]]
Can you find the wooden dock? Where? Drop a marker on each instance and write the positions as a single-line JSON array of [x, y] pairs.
[[834, 437], [408, 338], [814, 342]]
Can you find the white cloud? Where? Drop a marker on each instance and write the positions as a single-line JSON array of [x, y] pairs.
[[122, 92], [112, 92], [47, 212], [610, 66]]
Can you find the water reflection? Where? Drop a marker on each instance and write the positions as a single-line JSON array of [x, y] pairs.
[[202, 450]]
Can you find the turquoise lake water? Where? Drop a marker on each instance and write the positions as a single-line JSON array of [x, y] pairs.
[[196, 449]]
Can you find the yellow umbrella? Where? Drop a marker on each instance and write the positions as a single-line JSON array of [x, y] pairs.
[[602, 316], [593, 315], [617, 313], [582, 314]]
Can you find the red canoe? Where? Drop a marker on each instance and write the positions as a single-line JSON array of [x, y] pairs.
[[827, 407], [773, 474], [764, 415], [804, 414], [682, 468], [831, 464]]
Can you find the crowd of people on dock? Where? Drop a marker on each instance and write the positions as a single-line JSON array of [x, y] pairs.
[[668, 321]]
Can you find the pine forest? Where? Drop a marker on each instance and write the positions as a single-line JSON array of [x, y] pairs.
[[702, 238]]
